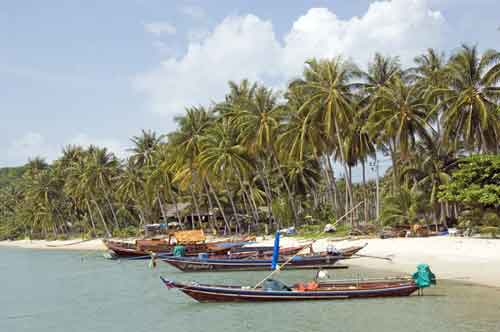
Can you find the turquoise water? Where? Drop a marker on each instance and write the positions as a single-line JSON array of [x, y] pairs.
[[74, 291]]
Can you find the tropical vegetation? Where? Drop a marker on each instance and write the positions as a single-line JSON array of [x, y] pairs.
[[262, 159]]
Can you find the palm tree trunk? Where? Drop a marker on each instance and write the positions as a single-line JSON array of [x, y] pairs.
[[331, 173], [342, 156], [177, 212], [329, 185], [255, 213], [289, 192], [91, 217], [269, 203], [219, 205], [235, 212], [102, 218], [365, 199], [142, 217], [395, 175], [106, 197], [267, 190], [196, 206], [162, 209], [351, 198], [210, 206], [112, 211], [443, 213], [247, 210], [346, 202], [194, 199]]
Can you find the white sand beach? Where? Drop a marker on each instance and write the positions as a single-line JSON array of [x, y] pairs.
[[456, 258], [74, 244], [465, 259]]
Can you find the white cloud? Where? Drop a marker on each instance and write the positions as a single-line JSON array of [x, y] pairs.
[[197, 34], [160, 28], [112, 145], [33, 144], [239, 47], [386, 27], [195, 12], [246, 47], [30, 145]]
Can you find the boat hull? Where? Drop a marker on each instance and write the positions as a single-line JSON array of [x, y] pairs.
[[124, 250], [206, 293], [188, 264]]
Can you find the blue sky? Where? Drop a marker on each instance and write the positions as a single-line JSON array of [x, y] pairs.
[[98, 71]]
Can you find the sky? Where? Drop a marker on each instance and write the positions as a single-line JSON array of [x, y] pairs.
[[97, 72]]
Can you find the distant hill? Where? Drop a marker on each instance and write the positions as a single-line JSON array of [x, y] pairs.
[[10, 174]]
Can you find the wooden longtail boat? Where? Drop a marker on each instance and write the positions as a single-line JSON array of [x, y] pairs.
[[306, 262], [257, 252], [194, 264], [124, 249], [144, 247], [312, 291]]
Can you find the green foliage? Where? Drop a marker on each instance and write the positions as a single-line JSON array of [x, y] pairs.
[[472, 218], [282, 211], [263, 158], [9, 175], [489, 230], [406, 206], [316, 231], [124, 232], [476, 182]]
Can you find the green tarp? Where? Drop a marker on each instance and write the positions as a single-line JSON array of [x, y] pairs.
[[424, 276], [179, 251]]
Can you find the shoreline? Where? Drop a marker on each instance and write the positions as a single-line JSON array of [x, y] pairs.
[[463, 259], [73, 244]]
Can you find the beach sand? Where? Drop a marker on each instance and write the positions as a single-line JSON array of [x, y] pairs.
[[465, 259], [455, 258], [74, 244]]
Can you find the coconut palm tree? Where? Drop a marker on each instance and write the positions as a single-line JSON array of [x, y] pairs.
[[470, 101], [258, 126], [358, 147], [400, 122], [44, 193], [328, 84], [187, 140], [145, 147], [382, 70], [35, 166], [224, 158], [431, 74]]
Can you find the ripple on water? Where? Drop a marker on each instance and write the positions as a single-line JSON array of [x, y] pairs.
[[51, 291]]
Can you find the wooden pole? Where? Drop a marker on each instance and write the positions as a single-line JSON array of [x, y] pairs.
[[347, 213], [279, 267]]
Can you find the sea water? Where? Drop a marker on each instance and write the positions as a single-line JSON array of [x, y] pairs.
[[51, 291]]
